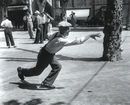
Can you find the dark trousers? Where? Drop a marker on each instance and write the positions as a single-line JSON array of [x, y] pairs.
[[44, 31], [39, 35], [8, 37], [43, 60]]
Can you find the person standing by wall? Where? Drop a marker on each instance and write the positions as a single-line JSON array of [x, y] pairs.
[[73, 19], [7, 25], [30, 25]]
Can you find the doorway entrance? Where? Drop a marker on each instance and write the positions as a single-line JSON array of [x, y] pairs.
[[16, 16]]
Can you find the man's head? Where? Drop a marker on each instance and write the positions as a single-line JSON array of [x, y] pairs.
[[64, 27], [73, 13]]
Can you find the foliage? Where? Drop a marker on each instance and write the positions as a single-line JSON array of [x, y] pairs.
[[112, 31]]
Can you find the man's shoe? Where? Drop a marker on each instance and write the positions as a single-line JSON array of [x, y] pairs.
[[8, 46], [14, 46], [20, 75], [32, 38], [45, 85], [35, 43]]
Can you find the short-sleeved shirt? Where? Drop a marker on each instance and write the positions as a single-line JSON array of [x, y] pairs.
[[7, 23], [38, 20], [58, 42]]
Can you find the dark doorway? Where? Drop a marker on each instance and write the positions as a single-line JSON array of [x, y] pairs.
[[16, 16]]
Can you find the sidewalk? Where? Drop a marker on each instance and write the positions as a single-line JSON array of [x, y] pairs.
[[83, 80]]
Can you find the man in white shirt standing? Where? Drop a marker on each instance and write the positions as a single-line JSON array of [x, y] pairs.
[[47, 53], [7, 25]]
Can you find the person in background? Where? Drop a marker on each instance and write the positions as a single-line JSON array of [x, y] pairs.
[[73, 19], [46, 20], [25, 22], [30, 25], [47, 53], [7, 25], [39, 28], [34, 21]]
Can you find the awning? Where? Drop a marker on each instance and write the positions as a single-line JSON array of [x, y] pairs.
[[21, 7]]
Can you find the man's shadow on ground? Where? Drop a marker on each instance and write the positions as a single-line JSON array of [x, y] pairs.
[[31, 86], [30, 102], [62, 57]]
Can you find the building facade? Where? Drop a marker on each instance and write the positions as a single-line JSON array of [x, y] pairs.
[[95, 16], [97, 9], [17, 9]]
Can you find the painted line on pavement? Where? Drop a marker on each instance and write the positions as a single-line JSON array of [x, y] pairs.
[[90, 80], [86, 84]]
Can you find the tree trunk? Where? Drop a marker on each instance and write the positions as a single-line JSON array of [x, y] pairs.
[[112, 31]]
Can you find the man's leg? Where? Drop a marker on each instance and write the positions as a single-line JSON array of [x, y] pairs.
[[7, 38], [43, 61], [56, 67], [11, 39], [44, 32], [41, 33], [30, 30], [37, 36]]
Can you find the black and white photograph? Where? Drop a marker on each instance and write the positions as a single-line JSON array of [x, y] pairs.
[[64, 52]]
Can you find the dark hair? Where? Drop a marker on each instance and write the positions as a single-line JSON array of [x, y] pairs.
[[63, 29]]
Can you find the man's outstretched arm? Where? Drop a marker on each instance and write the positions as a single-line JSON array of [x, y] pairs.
[[81, 40]]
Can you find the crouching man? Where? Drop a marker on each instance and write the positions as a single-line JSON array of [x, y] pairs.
[[46, 55]]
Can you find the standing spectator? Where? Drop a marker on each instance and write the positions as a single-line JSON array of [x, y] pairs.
[[7, 25], [46, 19], [44, 25], [34, 21], [48, 24], [73, 19], [39, 28], [30, 25]]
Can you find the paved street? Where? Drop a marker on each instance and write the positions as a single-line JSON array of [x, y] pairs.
[[83, 80]]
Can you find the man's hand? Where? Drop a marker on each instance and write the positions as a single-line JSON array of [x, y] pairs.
[[93, 36]]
